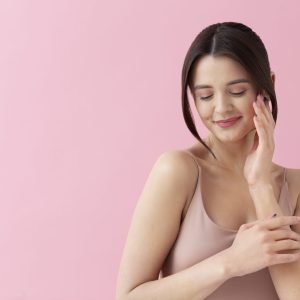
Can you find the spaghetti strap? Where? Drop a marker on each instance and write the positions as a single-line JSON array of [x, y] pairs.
[[197, 165], [193, 157], [284, 175], [284, 197]]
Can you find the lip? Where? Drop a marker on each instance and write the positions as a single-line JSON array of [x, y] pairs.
[[227, 122]]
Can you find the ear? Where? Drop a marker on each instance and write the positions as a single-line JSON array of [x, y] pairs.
[[273, 77]]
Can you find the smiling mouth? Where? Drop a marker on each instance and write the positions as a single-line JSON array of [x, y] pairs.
[[228, 122]]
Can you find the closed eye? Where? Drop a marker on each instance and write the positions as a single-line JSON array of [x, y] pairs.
[[238, 94], [234, 94], [204, 98]]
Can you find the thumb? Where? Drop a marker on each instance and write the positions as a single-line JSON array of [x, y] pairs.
[[252, 141], [250, 224]]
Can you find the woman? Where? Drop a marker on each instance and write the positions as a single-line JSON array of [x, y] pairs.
[[218, 220]]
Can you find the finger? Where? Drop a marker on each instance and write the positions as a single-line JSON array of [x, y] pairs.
[[261, 132], [263, 99], [285, 245], [258, 108], [249, 225], [282, 234], [264, 111], [279, 258], [269, 112], [267, 108], [268, 128], [265, 221], [279, 221]]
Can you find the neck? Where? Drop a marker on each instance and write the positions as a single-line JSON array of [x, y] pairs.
[[231, 155]]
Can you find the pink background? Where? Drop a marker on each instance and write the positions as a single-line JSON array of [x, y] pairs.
[[90, 97]]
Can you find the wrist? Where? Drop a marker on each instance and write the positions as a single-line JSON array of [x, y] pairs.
[[228, 266], [264, 200], [258, 187], [262, 192]]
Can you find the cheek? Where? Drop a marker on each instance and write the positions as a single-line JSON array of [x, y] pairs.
[[204, 112], [248, 106], [250, 110], [249, 114]]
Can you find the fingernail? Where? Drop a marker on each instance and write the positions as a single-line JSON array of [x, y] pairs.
[[257, 102], [259, 99]]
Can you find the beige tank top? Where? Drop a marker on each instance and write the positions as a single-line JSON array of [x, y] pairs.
[[199, 238]]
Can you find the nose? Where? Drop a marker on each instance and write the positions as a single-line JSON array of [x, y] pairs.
[[223, 104]]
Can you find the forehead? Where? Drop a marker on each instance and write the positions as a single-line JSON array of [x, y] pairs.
[[217, 70]]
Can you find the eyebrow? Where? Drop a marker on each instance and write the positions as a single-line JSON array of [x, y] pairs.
[[204, 86]]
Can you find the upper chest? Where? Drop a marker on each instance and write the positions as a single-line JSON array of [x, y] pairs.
[[226, 198], [228, 202]]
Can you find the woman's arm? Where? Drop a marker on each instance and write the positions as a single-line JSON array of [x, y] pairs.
[[196, 282], [153, 231], [286, 277]]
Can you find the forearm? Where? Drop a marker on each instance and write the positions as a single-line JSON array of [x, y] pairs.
[[264, 201], [284, 276], [196, 282]]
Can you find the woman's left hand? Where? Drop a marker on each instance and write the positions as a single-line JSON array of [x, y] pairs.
[[257, 168]]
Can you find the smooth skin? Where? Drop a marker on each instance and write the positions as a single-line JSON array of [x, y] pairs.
[[244, 162]]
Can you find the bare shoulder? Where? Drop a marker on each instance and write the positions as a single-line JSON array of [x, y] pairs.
[[177, 158], [179, 168]]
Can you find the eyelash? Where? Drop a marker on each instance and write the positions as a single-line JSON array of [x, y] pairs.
[[234, 94]]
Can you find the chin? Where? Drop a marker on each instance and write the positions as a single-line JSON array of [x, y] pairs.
[[228, 138], [231, 136]]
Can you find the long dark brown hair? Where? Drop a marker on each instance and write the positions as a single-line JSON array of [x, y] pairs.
[[238, 42]]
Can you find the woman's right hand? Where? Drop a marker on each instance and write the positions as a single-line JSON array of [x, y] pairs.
[[259, 244]]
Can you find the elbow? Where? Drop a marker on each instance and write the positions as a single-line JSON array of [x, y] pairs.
[[122, 295], [128, 292], [126, 295]]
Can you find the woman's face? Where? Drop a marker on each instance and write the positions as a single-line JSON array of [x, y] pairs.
[[222, 90]]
